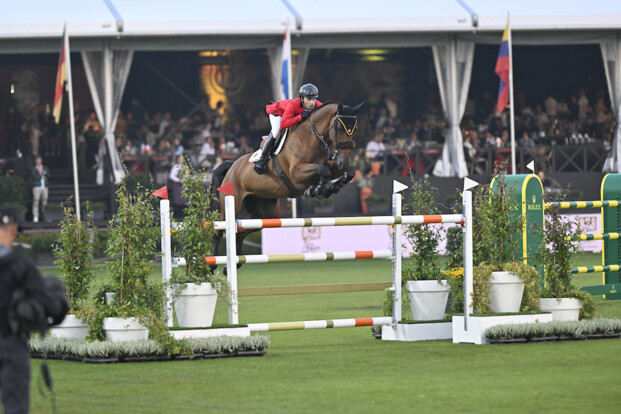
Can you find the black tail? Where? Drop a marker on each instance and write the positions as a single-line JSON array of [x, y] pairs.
[[216, 181]]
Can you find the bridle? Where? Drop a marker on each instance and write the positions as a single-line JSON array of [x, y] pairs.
[[338, 145]]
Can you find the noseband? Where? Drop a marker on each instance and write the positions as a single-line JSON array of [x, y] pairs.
[[342, 145]]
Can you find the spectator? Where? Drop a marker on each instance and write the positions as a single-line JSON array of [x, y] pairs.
[[375, 149], [40, 186], [176, 188]]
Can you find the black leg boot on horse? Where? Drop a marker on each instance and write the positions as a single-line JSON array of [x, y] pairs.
[[261, 165]]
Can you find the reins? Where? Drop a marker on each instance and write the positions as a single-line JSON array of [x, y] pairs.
[[349, 144]]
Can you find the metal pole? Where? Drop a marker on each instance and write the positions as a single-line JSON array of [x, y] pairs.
[[396, 264], [467, 242], [511, 106], [74, 158], [166, 259], [231, 254]]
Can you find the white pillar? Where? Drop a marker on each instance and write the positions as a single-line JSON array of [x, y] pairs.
[[396, 264], [231, 256], [468, 276], [166, 259]]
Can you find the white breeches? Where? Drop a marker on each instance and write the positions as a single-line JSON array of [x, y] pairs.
[[275, 122]]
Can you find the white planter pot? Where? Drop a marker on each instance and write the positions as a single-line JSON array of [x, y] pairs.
[[195, 305], [427, 298], [506, 289], [563, 309], [125, 329], [70, 327]]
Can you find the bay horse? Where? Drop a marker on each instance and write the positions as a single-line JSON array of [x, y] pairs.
[[314, 161]]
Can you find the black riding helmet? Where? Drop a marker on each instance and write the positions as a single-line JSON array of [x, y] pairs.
[[309, 91]]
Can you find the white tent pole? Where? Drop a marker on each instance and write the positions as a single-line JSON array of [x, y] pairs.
[[454, 125], [74, 158], [511, 107]]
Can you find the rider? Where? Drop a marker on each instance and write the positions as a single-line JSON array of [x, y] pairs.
[[285, 114]]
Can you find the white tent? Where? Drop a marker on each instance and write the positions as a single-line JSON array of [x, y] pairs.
[[107, 32]]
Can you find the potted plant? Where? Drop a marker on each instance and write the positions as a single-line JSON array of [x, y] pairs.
[[42, 248], [196, 288], [560, 296], [365, 182], [74, 252], [97, 208], [425, 283], [323, 205], [54, 212], [378, 204], [501, 281], [455, 269], [137, 306], [20, 209]]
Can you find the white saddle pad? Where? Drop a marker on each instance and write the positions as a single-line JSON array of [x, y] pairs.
[[257, 154]]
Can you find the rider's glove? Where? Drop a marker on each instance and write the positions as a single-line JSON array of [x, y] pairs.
[[305, 114]]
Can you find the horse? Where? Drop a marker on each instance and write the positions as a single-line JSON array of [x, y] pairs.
[[314, 161]]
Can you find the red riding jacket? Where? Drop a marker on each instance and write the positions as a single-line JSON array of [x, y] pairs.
[[290, 111]]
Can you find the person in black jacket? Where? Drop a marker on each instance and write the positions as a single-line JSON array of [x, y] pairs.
[[26, 302]]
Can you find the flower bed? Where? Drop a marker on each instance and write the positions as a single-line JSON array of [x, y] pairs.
[[137, 351], [597, 328]]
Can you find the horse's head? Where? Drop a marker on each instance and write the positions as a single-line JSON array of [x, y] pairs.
[[344, 126]]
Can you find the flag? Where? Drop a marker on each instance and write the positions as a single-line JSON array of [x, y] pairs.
[[285, 77], [61, 77], [503, 65], [227, 188], [162, 192]]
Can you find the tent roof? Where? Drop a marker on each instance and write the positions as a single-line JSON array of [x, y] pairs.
[[31, 26]]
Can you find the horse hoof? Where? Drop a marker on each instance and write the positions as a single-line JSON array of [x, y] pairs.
[[224, 271]]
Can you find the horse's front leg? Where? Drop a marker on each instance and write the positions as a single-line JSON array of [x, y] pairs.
[[335, 186], [314, 176]]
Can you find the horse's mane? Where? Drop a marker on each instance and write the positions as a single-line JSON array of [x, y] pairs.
[[325, 104]]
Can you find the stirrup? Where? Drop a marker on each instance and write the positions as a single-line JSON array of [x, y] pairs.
[[260, 166]]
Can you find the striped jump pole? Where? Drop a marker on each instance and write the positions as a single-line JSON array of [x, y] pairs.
[[249, 224], [595, 269], [583, 204], [325, 324], [296, 257], [594, 236]]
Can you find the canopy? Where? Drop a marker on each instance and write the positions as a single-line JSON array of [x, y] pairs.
[[36, 26]]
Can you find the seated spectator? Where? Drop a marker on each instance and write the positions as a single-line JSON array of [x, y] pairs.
[[375, 149], [413, 143], [207, 152], [528, 144]]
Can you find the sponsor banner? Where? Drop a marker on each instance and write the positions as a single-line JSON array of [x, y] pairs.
[[334, 239], [589, 224], [346, 238]]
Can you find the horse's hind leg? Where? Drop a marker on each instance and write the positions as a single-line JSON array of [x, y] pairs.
[[216, 247]]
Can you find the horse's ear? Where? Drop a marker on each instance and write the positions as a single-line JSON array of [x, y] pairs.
[[359, 106], [340, 110]]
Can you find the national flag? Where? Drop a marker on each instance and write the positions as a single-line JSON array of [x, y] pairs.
[[61, 77], [285, 78], [503, 65]]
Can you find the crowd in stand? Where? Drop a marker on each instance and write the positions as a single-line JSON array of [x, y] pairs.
[[209, 135]]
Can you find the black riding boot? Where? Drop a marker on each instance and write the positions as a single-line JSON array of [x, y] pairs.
[[260, 165]]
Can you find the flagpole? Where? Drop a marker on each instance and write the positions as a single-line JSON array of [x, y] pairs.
[[511, 107], [74, 157], [287, 49]]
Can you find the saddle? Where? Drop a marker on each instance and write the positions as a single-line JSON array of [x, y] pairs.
[[279, 144]]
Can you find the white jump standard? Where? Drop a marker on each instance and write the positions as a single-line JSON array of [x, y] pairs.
[[231, 226]]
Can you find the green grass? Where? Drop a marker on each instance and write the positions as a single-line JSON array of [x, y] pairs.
[[347, 370]]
